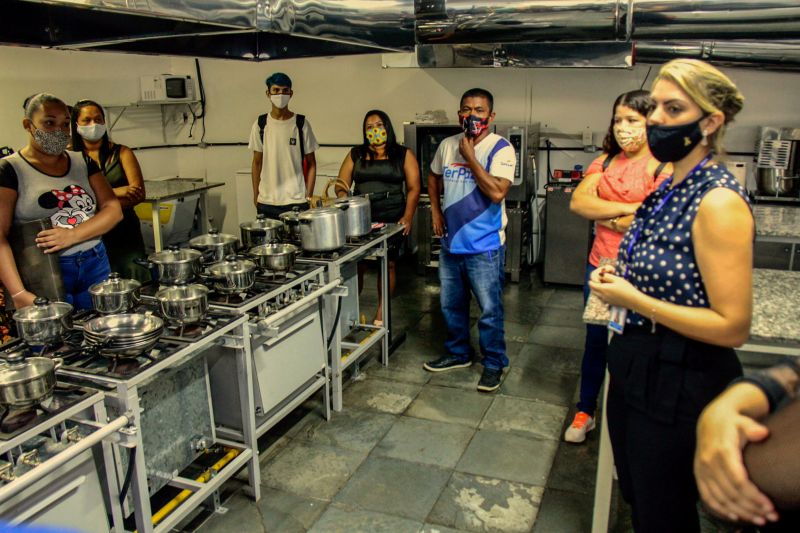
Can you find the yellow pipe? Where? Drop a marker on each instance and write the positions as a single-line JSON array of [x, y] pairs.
[[202, 478]]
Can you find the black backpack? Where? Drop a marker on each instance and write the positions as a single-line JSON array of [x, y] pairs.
[[300, 119]]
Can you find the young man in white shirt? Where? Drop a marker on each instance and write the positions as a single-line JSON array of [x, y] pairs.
[[476, 170], [284, 167]]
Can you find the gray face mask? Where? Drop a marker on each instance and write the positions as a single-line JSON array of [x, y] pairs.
[[51, 142]]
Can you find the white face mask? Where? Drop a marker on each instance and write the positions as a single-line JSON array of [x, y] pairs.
[[93, 132], [280, 100]]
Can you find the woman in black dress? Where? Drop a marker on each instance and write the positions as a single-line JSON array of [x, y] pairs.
[[388, 173]]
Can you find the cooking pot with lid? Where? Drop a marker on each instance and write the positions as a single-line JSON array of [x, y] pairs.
[[232, 275], [260, 231], [44, 322], [26, 381], [175, 265], [323, 229], [115, 295], [358, 215], [214, 245]]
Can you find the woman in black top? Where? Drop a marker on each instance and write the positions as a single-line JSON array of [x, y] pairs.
[[381, 169], [124, 242]]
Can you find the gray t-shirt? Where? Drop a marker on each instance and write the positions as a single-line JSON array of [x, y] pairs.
[[67, 200]]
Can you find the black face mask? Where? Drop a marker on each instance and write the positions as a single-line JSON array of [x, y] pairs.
[[672, 143]]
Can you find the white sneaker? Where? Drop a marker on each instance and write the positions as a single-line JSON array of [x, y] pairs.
[[581, 425]]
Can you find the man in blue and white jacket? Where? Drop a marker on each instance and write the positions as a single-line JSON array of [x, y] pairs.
[[476, 170]]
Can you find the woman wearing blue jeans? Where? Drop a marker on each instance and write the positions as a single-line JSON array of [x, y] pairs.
[[44, 180]]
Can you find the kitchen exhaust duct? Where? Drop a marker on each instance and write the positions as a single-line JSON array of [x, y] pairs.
[[777, 55]]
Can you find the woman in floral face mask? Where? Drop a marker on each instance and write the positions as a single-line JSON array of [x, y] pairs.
[[43, 180], [388, 173], [615, 185]]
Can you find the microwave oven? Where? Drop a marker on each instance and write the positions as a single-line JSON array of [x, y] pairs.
[[167, 88], [424, 139]]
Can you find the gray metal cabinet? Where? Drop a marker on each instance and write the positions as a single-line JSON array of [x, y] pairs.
[[567, 239], [775, 255]]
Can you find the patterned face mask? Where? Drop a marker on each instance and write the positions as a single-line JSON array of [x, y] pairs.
[[630, 138], [377, 136], [51, 142]]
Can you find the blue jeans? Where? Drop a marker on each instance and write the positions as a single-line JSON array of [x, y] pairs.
[[593, 366], [82, 270], [481, 274]]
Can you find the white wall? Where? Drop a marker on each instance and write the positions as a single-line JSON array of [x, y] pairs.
[[334, 93]]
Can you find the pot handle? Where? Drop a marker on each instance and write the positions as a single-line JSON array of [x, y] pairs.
[[58, 362], [304, 221], [344, 206], [144, 263]]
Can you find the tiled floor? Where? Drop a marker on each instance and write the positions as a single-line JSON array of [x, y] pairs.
[[414, 451]]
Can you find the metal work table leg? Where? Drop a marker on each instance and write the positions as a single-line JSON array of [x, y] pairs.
[[203, 204], [129, 401], [605, 469], [156, 216], [244, 366], [383, 257]]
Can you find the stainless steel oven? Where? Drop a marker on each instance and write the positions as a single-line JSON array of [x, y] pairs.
[[424, 139]]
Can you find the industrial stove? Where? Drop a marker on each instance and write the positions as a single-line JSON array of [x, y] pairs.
[[277, 359], [53, 459], [350, 339], [172, 434]]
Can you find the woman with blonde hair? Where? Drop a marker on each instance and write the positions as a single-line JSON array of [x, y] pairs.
[[684, 293]]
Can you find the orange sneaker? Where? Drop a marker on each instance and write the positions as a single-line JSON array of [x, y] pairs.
[[581, 425]]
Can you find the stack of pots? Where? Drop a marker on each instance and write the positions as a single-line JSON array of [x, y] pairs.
[[123, 335], [44, 322]]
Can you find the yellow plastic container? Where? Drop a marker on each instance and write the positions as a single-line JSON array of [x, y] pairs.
[[144, 211]]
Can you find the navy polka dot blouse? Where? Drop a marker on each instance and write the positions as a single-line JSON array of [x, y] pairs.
[[662, 262]]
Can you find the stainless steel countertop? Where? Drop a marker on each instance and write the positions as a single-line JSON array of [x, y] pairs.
[[157, 190], [777, 221]]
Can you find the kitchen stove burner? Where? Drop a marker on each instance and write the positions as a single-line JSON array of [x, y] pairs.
[[13, 422]]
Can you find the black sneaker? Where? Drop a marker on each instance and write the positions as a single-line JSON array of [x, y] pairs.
[[490, 380], [448, 362]]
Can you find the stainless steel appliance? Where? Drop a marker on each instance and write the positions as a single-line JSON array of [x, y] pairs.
[[567, 238], [40, 272], [424, 139], [778, 162]]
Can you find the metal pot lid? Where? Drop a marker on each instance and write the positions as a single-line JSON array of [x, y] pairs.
[[20, 369], [174, 256], [273, 249], [212, 238], [181, 292], [261, 223], [290, 215], [43, 309], [114, 285], [353, 201], [232, 265], [320, 212]]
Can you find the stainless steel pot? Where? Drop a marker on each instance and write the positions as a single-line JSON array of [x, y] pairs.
[[291, 224], [215, 246], [274, 257], [357, 214], [770, 182], [44, 322], [261, 231], [115, 295], [183, 304], [26, 381], [323, 229], [233, 275], [176, 265]]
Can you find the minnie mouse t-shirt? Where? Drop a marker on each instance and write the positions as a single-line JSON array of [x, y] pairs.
[[67, 200]]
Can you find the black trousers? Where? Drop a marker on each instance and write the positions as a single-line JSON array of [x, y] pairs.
[[659, 385], [274, 211]]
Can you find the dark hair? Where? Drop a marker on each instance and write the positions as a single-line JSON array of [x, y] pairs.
[[478, 93], [279, 78], [37, 101], [77, 141], [396, 152], [641, 102]]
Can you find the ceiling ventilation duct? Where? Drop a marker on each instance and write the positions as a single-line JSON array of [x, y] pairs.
[[778, 55]]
